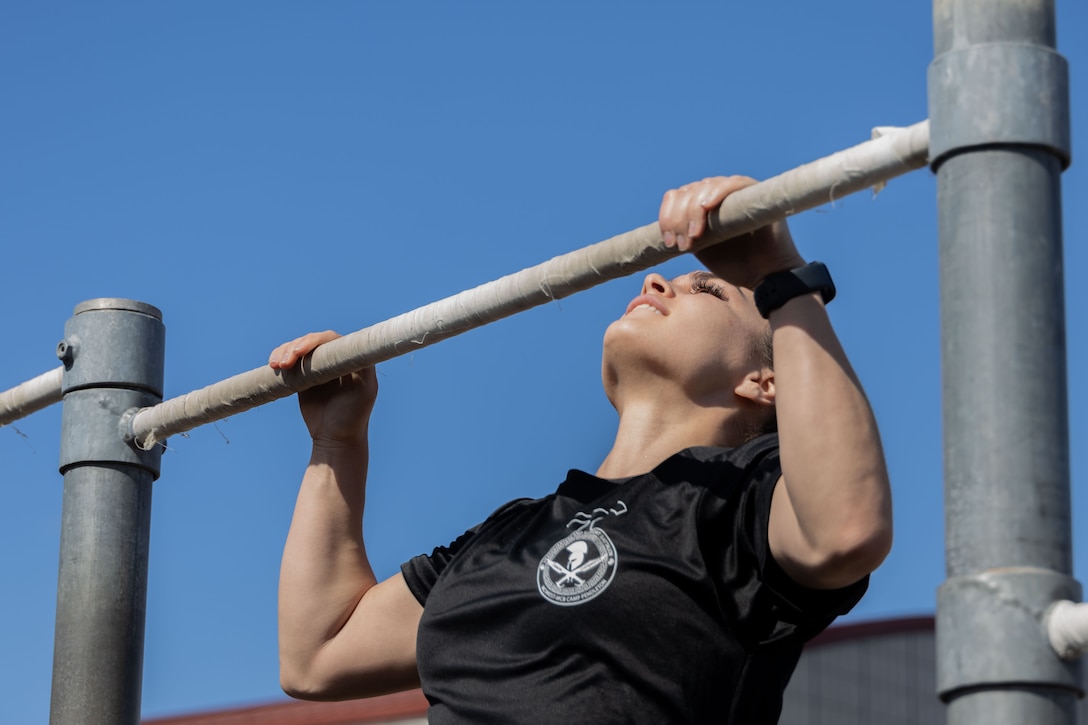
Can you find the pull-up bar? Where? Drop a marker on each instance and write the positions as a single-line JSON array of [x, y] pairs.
[[891, 153]]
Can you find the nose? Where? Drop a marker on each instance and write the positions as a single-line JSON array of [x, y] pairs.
[[656, 284]]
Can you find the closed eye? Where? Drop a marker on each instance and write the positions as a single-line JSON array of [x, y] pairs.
[[706, 283]]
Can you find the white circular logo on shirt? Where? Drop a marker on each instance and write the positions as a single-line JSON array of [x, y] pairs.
[[577, 568]]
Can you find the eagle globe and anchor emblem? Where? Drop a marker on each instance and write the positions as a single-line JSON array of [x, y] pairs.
[[580, 566]]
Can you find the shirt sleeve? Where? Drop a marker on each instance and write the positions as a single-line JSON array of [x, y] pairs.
[[422, 572], [761, 601]]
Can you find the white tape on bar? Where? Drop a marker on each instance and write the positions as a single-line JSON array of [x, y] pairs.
[[31, 396], [1067, 628], [866, 165]]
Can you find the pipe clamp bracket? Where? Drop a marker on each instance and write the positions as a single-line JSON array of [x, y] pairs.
[[999, 94]]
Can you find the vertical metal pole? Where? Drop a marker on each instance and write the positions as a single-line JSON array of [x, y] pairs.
[[999, 114], [113, 353]]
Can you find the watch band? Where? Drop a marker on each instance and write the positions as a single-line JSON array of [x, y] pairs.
[[779, 288]]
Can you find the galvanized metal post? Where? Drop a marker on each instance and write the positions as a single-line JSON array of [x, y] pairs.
[[999, 114], [113, 354]]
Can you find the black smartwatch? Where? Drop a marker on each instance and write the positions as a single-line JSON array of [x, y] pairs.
[[779, 288]]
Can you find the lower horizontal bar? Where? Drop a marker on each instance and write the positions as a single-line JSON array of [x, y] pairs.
[[31, 396]]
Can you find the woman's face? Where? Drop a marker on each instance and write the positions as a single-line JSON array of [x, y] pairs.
[[696, 331]]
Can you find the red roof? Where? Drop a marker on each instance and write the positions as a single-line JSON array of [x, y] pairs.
[[385, 708]]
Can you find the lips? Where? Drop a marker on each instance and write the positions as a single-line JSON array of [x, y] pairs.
[[647, 301]]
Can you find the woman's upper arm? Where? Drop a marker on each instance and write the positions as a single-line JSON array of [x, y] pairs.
[[809, 565], [375, 651]]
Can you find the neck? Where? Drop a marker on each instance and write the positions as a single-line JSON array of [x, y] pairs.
[[651, 431]]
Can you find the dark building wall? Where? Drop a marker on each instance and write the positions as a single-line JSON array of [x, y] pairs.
[[871, 674]]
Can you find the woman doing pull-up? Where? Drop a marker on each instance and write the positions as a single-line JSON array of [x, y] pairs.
[[740, 509]]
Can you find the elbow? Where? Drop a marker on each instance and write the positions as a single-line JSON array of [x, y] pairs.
[[295, 690], [301, 688], [853, 555], [311, 681], [302, 679], [297, 682], [870, 551]]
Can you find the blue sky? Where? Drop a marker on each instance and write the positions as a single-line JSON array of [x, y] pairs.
[[257, 170]]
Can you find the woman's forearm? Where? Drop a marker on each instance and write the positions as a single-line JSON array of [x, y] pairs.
[[325, 571]]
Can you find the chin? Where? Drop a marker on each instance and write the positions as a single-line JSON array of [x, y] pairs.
[[617, 349], [627, 337]]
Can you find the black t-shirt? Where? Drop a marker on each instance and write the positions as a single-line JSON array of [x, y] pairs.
[[650, 600]]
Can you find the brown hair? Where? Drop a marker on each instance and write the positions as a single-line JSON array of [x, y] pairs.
[[766, 356], [767, 422]]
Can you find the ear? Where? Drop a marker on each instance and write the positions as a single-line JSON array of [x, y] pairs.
[[757, 387]]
